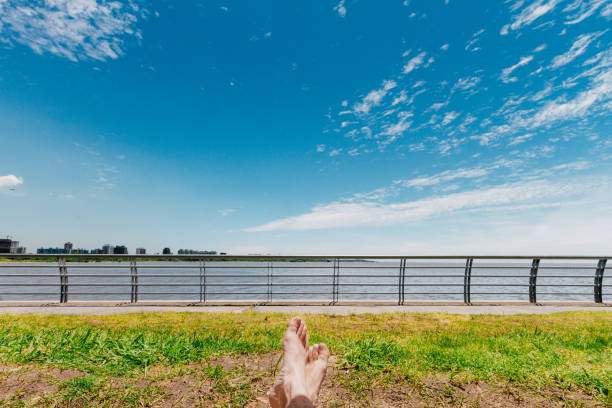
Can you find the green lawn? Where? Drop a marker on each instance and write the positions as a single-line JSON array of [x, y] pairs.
[[225, 359]]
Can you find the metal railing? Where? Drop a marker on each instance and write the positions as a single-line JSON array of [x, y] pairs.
[[331, 278]]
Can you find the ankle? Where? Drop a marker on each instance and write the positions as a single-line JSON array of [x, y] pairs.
[[295, 389], [300, 401]]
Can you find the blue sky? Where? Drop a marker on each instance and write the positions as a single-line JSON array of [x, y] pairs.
[[308, 127]]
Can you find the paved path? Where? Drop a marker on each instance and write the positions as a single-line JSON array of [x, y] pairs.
[[497, 309]]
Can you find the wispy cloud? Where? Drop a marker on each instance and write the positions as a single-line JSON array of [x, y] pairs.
[[497, 198], [86, 149], [226, 211], [529, 14], [341, 9], [75, 29], [466, 83], [578, 48], [415, 62], [582, 10], [506, 72], [520, 139], [577, 107], [449, 117], [447, 175], [373, 98], [471, 44]]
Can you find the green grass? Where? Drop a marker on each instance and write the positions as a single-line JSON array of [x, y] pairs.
[[569, 350]]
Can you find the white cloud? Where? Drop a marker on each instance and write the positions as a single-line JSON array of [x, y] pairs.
[[466, 83], [520, 139], [574, 108], [75, 29], [539, 48], [506, 72], [340, 9], [414, 63], [449, 117], [444, 47], [335, 152], [577, 49], [399, 99], [438, 106], [66, 196], [226, 211], [373, 98], [529, 14], [585, 8], [398, 128], [471, 45], [10, 181], [448, 175], [320, 148], [353, 214], [542, 94]]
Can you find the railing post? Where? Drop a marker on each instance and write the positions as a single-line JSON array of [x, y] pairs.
[[270, 271], [335, 281], [598, 286], [202, 281], [401, 281], [63, 270], [467, 282], [134, 276], [533, 276]]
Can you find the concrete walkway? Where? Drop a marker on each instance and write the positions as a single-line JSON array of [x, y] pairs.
[[90, 308]]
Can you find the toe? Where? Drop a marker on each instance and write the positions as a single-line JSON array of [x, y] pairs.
[[302, 335], [309, 354], [294, 324], [323, 352], [315, 352]]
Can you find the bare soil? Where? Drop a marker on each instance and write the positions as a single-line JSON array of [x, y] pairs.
[[244, 380]]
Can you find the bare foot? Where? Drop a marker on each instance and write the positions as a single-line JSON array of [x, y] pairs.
[[316, 368], [291, 382]]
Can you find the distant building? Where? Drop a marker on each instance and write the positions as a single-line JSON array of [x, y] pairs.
[[167, 251], [68, 247], [97, 251], [107, 249], [141, 251], [5, 245], [194, 252], [20, 250], [52, 251], [120, 250]]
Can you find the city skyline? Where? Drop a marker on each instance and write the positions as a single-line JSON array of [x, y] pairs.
[[408, 127]]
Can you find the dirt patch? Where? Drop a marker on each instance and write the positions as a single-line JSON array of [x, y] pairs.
[[440, 392], [30, 383], [253, 375], [243, 380]]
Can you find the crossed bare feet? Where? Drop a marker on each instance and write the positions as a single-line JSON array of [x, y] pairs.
[[303, 371]]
